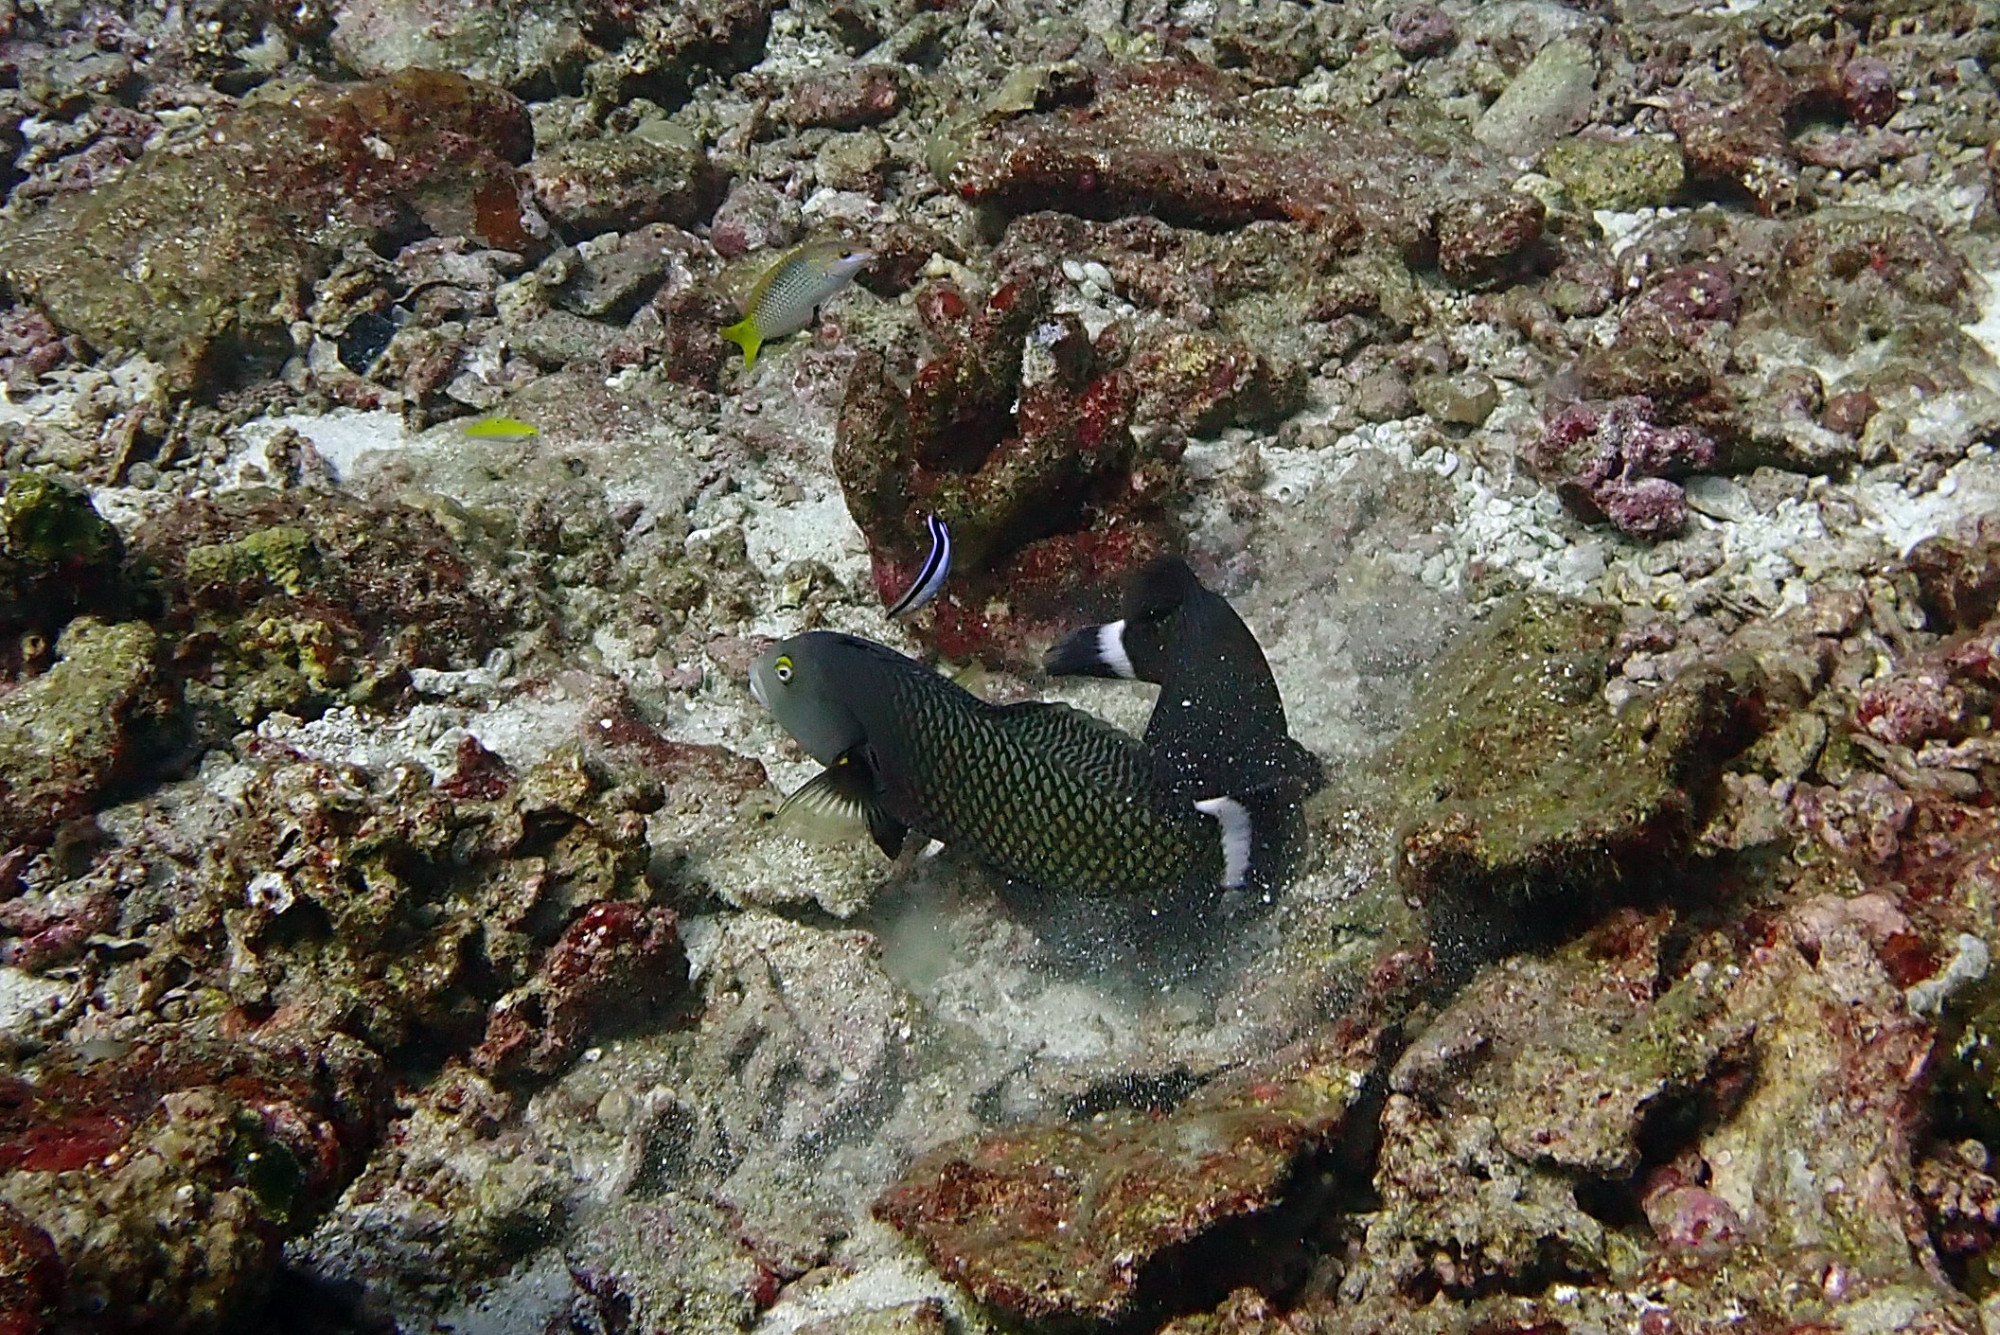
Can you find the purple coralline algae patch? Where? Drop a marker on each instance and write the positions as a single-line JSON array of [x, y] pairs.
[[1612, 461]]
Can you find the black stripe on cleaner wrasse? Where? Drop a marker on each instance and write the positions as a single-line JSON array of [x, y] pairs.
[[1218, 727], [931, 577], [1037, 791]]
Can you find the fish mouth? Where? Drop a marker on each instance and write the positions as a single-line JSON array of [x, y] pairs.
[[757, 690]]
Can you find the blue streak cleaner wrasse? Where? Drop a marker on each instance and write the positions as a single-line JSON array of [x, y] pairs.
[[1218, 729], [1040, 792], [930, 578]]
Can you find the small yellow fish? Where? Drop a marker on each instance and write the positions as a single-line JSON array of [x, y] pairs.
[[788, 297], [500, 428]]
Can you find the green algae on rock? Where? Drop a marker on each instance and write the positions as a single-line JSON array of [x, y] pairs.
[[93, 720], [1519, 785], [1617, 173], [57, 556], [202, 258]]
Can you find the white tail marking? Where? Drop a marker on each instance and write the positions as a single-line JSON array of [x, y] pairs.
[[1111, 649], [1234, 819]]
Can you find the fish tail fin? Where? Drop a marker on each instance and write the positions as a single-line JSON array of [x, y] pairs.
[[1261, 823], [744, 334], [1094, 651]]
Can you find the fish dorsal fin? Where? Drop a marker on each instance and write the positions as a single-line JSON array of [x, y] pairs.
[[833, 802]]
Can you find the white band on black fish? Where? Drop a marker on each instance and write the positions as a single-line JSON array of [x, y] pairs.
[[930, 579], [1234, 818], [1111, 649]]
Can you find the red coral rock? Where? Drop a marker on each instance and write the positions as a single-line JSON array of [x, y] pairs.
[[30, 347], [258, 1140], [1864, 819], [1420, 29], [478, 775], [1489, 239], [1745, 143], [1200, 383], [615, 960], [198, 256], [31, 1275], [960, 399], [1959, 580]]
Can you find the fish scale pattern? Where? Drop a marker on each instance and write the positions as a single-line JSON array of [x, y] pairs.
[[1046, 794], [794, 288]]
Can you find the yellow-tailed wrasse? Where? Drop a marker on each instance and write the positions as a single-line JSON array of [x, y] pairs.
[[1040, 792], [788, 296], [1218, 728]]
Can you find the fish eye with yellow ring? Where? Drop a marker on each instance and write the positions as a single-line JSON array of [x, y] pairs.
[[782, 669]]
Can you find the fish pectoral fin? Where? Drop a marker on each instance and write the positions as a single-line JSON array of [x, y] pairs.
[[829, 806], [826, 808]]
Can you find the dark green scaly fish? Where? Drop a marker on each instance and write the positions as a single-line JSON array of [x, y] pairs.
[[1037, 791], [1219, 723]]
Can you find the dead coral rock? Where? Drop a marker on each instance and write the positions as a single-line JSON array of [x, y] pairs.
[[1541, 1074], [202, 259], [1745, 143], [166, 1178], [1074, 1223], [385, 907], [846, 98], [672, 47], [615, 962], [457, 1192], [295, 601], [1961, 1200], [1959, 580], [1188, 144], [961, 399], [623, 182], [382, 37], [93, 720], [1612, 461], [30, 347], [1820, 1152], [1519, 784], [1850, 277], [31, 1275], [1200, 383], [802, 1034], [1041, 482]]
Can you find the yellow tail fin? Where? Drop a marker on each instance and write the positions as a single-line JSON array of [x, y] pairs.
[[744, 334]]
